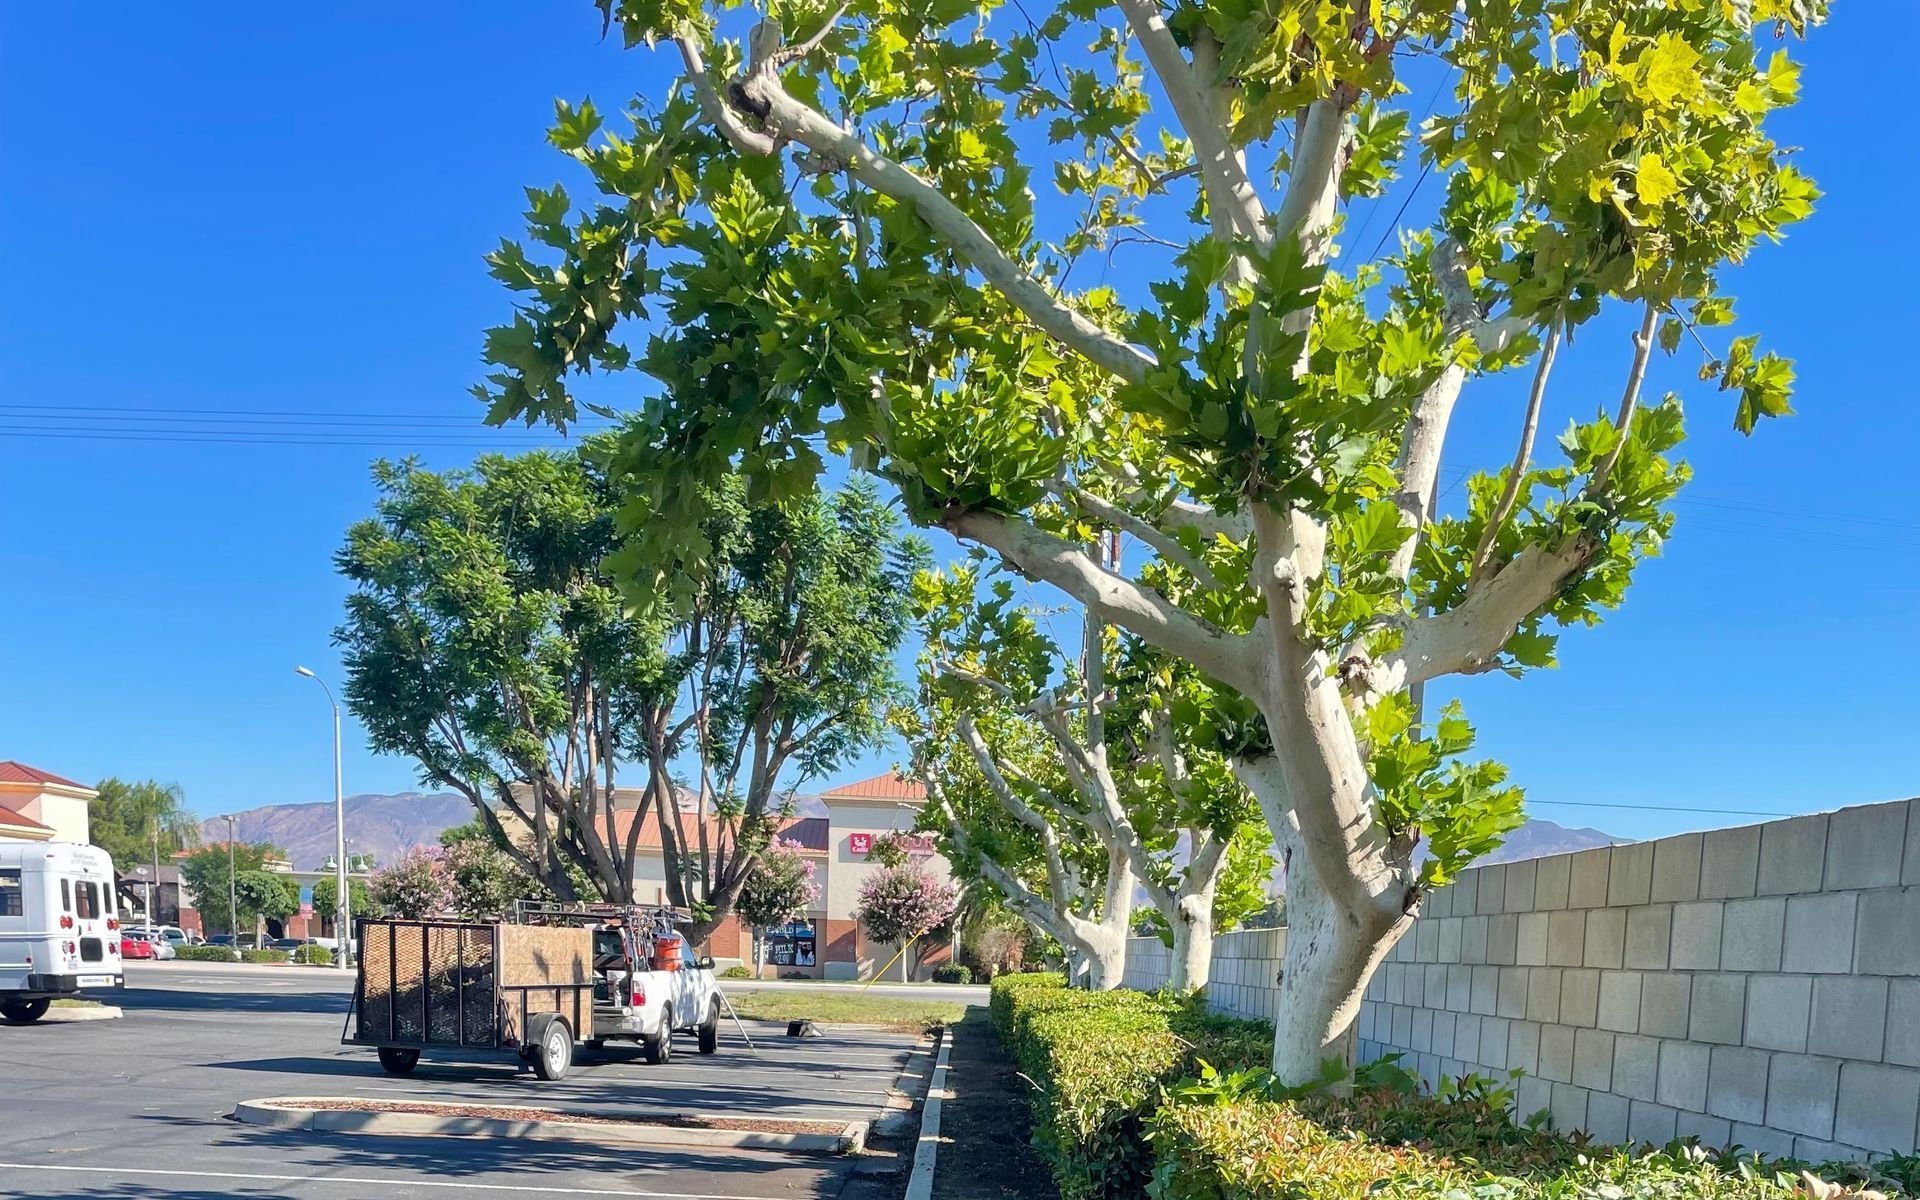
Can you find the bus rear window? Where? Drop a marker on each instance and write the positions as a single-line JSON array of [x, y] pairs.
[[89, 897], [11, 903]]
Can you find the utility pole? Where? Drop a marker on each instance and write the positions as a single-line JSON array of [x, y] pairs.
[[342, 906], [233, 894], [153, 917]]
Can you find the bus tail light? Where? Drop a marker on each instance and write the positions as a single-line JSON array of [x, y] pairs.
[[66, 922]]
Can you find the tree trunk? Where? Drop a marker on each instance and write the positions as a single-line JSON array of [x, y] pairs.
[[1193, 940], [1330, 955]]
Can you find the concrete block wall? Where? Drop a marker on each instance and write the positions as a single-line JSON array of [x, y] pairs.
[[1758, 985], [1246, 965]]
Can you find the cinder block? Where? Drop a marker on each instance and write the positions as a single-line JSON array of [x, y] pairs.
[[1402, 1028], [1630, 877], [1449, 939], [1556, 1053], [1566, 937], [1486, 991], [1903, 1022], [1421, 1039], [1523, 1047], [1849, 1017], [1864, 844], [1778, 1008], [1758, 1139], [1580, 997], [1434, 994], [1492, 892], [1719, 1009], [1752, 935], [1619, 1001], [1888, 942], [1466, 1038], [1814, 1150], [1606, 937], [1593, 1058], [1587, 878], [1737, 1084], [1532, 1096], [1651, 1124], [1666, 1002], [1879, 1106], [1676, 868], [1459, 988], [1473, 939], [1503, 935], [1710, 1131], [1607, 1118], [1512, 1001], [1569, 1107], [1636, 1066], [1551, 876], [1424, 942], [1683, 1076], [1649, 937], [1801, 1091], [1530, 943], [1518, 886], [1495, 1033], [1820, 933], [1543, 994], [1465, 888], [1793, 855], [1729, 862], [1910, 868], [1696, 935]]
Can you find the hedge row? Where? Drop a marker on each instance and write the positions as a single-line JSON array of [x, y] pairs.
[[1101, 1060], [204, 953], [263, 956], [1119, 1116]]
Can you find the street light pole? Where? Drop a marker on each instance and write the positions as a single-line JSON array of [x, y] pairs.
[[342, 908], [233, 895]]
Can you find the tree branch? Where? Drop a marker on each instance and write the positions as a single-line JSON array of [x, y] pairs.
[[1040, 555], [1119, 518], [743, 136], [1642, 350], [1508, 498], [1467, 638]]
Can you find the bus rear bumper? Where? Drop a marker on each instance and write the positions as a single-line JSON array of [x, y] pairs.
[[56, 986]]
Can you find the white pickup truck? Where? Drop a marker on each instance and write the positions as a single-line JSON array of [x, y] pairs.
[[648, 986]]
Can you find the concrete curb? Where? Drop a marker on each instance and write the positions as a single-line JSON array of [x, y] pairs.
[[927, 1149], [275, 1113], [104, 1012]]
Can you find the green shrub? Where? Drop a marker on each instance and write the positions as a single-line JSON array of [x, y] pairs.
[[952, 973], [263, 956], [1385, 1146], [205, 953], [313, 956], [736, 973], [1008, 988]]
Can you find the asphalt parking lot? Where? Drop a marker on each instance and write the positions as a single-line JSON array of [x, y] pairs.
[[137, 1107]]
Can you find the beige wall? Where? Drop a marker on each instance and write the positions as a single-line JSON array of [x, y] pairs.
[[63, 810]]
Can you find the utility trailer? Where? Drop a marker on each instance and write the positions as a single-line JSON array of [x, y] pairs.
[[462, 987]]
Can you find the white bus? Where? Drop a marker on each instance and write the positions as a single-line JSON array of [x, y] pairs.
[[59, 926]]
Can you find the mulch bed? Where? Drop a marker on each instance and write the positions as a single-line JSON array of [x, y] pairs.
[[987, 1138], [508, 1113]]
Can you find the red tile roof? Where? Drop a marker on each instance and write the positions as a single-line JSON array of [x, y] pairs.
[[19, 772], [810, 832], [881, 787], [14, 820]]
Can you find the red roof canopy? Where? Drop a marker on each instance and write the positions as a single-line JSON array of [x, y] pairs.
[[19, 772], [881, 787], [14, 820]]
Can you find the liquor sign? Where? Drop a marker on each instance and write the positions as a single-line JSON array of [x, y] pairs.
[[860, 843]]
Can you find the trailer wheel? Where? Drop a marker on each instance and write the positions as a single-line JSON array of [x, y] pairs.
[[23, 1012], [658, 1047], [550, 1046], [398, 1060], [710, 1029]]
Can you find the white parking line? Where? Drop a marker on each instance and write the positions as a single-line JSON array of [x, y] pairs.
[[366, 1181]]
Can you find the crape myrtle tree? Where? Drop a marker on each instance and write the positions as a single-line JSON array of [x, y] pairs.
[[827, 229], [1128, 779], [779, 888], [900, 904], [486, 638]]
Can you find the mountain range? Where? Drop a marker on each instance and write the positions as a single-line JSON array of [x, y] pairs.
[[386, 826]]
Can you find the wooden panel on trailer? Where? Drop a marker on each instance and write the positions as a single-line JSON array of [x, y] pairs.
[[554, 966]]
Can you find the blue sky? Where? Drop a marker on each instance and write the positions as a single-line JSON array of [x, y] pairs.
[[275, 210]]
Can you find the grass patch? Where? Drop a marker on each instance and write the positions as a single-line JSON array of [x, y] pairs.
[[76, 1004], [794, 1005]]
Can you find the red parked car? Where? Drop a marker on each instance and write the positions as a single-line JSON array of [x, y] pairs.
[[133, 947]]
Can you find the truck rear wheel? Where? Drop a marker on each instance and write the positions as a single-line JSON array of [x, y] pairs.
[[550, 1048], [658, 1047], [710, 1029], [23, 1012], [398, 1060]]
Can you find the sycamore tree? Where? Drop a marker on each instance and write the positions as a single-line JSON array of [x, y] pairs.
[[1125, 775], [1065, 270]]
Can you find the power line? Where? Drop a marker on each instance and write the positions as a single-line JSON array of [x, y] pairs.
[[1724, 812], [170, 413]]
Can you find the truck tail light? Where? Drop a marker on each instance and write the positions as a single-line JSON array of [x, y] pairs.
[[639, 995]]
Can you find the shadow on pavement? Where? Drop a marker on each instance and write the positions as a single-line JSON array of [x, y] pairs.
[[169, 999]]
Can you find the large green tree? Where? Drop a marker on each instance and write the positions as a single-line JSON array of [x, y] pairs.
[[827, 228], [138, 821], [256, 892], [486, 639]]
